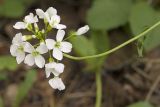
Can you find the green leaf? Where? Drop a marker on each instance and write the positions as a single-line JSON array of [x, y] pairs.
[[101, 42], [84, 47], [142, 17], [109, 14], [1, 102], [8, 63], [98, 43], [141, 104], [25, 87], [12, 8]]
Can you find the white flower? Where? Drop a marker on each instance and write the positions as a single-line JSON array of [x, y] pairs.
[[17, 48], [57, 83], [59, 46], [51, 17], [55, 68], [82, 30], [29, 19], [35, 56]]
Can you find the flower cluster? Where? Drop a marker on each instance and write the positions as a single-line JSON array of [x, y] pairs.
[[23, 50]]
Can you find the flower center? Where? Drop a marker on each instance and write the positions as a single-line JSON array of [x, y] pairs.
[[57, 44], [35, 53], [20, 48]]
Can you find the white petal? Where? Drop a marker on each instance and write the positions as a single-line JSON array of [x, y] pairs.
[[47, 17], [60, 35], [82, 30], [20, 57], [29, 18], [35, 19], [17, 39], [55, 68], [20, 25], [50, 43], [66, 47], [40, 61], [55, 20], [42, 48], [56, 83], [13, 50], [29, 60], [51, 11], [40, 13], [49, 68], [50, 65], [59, 68], [60, 26], [28, 47], [57, 54], [48, 72]]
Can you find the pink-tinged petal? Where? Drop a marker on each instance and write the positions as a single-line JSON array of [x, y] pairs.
[[40, 61], [66, 47], [57, 54], [29, 60], [60, 35]]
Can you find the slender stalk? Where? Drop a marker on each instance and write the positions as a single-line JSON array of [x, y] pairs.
[[116, 48], [99, 88], [70, 37]]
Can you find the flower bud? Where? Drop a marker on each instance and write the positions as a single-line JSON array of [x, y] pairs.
[[82, 30]]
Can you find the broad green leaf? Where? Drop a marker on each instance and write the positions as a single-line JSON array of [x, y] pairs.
[[98, 43], [8, 62], [109, 14], [25, 87], [141, 104], [84, 47], [1, 102], [12, 8], [142, 17], [101, 42]]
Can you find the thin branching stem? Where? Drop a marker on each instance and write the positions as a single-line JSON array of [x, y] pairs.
[[116, 48]]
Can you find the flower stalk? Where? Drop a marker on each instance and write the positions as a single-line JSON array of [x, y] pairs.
[[116, 48], [99, 88]]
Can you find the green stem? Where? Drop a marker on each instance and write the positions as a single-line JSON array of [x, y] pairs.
[[70, 37], [99, 89], [116, 48]]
